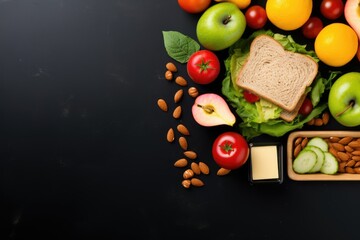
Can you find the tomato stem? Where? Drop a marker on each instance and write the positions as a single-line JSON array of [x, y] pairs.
[[345, 109]]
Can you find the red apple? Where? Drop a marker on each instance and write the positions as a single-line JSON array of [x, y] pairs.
[[352, 15]]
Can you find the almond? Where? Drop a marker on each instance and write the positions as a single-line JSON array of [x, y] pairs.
[[162, 104], [188, 173], [345, 140], [342, 167], [183, 143], [186, 183], [181, 81], [311, 122], [350, 163], [333, 152], [297, 150], [178, 95], [195, 167], [168, 75], [223, 172], [357, 170], [182, 162], [318, 122], [357, 164], [334, 139], [183, 130], [357, 153], [356, 158], [190, 154], [298, 141], [339, 147], [343, 156], [171, 67], [204, 168], [304, 142], [349, 170], [177, 112], [170, 136], [348, 149], [197, 182], [325, 117], [354, 144], [193, 92]]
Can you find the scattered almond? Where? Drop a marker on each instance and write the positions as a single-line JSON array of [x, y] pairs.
[[182, 162], [343, 156], [170, 136], [178, 95], [193, 92], [325, 117], [298, 141], [195, 167], [304, 142], [183, 143], [338, 146], [168, 75], [177, 112], [183, 130], [197, 182], [181, 81], [162, 104], [223, 172], [204, 168], [334, 139], [318, 122], [171, 67], [188, 173], [349, 149], [190, 154], [357, 152], [354, 144], [350, 163], [311, 122], [297, 150], [186, 183]]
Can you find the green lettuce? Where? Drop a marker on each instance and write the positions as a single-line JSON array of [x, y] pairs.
[[263, 117]]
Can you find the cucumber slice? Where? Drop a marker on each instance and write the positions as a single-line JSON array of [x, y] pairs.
[[320, 156], [319, 142], [330, 165], [305, 161]]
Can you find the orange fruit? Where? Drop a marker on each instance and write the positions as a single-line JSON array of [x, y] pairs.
[[336, 44], [288, 14]]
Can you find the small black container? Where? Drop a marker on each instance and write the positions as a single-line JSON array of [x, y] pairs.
[[266, 163]]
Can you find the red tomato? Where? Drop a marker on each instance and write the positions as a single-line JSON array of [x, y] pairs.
[[230, 150], [203, 67], [250, 97], [306, 107], [312, 27], [194, 6], [256, 17], [332, 9]]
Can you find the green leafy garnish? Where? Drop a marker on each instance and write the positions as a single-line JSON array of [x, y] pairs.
[[179, 46]]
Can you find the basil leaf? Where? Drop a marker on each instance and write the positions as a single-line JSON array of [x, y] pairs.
[[179, 46]]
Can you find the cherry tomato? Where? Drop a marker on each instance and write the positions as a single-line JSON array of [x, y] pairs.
[[306, 107], [230, 150], [194, 6], [312, 27], [256, 17], [332, 9], [203, 67], [250, 97]]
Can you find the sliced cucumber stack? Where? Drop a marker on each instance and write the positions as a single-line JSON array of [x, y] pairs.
[[316, 158]]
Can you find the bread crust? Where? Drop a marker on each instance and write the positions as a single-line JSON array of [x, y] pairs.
[[277, 75]]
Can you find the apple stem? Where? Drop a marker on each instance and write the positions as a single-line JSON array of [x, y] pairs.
[[227, 20], [207, 109], [347, 108]]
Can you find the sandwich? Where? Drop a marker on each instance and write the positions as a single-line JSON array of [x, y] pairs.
[[279, 76], [282, 73]]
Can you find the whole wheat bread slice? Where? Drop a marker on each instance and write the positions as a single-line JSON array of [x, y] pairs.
[[275, 74], [289, 116]]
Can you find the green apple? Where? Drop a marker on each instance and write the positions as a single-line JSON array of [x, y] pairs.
[[344, 99], [220, 26]]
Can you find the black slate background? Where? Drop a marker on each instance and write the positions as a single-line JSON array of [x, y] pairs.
[[82, 143]]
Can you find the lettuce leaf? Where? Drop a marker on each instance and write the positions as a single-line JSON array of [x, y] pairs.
[[262, 118]]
